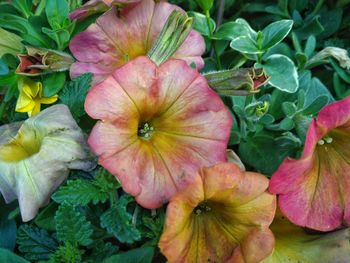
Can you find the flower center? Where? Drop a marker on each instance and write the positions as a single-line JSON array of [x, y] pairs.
[[22, 146], [325, 140], [145, 130], [202, 208]]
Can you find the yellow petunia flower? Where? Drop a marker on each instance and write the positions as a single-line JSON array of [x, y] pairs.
[[31, 97]]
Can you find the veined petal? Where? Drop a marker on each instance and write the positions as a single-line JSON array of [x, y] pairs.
[[114, 40], [151, 156], [314, 189], [35, 158]]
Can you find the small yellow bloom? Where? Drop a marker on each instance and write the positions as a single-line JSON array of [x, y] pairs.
[[31, 97]]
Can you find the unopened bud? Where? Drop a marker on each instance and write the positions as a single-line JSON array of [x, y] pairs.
[[173, 34], [236, 82], [40, 61]]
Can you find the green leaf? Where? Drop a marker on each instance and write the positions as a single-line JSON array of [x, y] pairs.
[[35, 243], [275, 32], [314, 107], [53, 83], [282, 72], [8, 229], [117, 221], [57, 12], [74, 92], [231, 30], [80, 192], [200, 23], [289, 108], [46, 218], [310, 46], [68, 253], [60, 36], [245, 44], [72, 226], [7, 256], [102, 250], [138, 255], [262, 153], [9, 43], [4, 70], [206, 5], [23, 6], [310, 27]]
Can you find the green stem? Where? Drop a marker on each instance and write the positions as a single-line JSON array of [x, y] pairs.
[[218, 61]]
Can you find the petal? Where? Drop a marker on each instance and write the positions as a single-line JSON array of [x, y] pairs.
[[313, 190], [220, 228], [142, 92], [335, 114], [46, 147], [102, 48], [49, 100], [294, 245]]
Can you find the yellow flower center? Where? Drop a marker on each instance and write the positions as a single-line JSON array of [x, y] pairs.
[[202, 208], [22, 146]]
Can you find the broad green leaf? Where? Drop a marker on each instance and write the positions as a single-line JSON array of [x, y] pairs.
[[74, 92], [206, 5], [72, 226], [200, 23], [310, 27], [245, 44], [35, 243], [23, 6], [53, 83], [275, 32], [289, 108], [9, 43], [60, 36], [138, 255], [6, 256], [331, 21], [117, 221], [46, 218], [282, 72], [314, 107], [294, 245], [310, 46], [231, 30], [57, 13]]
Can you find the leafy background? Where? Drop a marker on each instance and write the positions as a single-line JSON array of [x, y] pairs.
[[90, 218]]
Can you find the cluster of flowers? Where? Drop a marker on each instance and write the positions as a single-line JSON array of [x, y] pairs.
[[163, 132]]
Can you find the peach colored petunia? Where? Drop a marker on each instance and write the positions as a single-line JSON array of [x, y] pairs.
[[158, 126], [116, 39], [314, 191], [222, 216]]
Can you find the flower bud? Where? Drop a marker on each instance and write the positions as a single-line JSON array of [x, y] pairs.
[[40, 61], [236, 82], [173, 34]]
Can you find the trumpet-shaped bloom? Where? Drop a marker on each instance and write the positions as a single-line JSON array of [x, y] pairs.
[[222, 216], [294, 245], [31, 97], [314, 190], [97, 6], [115, 39], [36, 155], [159, 125]]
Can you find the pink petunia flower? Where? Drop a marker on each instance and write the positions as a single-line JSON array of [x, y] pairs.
[[115, 39], [314, 191], [97, 6], [159, 124]]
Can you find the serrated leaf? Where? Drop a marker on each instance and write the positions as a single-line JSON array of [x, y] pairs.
[[46, 218], [35, 243], [6, 256], [72, 226], [80, 192], [138, 255], [117, 221], [102, 250], [74, 92]]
